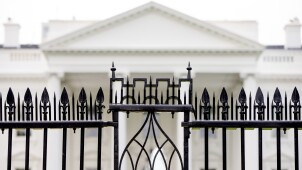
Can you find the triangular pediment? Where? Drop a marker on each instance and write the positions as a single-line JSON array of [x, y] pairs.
[[151, 27]]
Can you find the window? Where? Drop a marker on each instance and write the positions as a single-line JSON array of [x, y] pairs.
[[91, 132], [21, 132], [274, 133], [210, 133], [90, 168]]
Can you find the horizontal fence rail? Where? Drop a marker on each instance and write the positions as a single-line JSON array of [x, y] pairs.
[[30, 113]]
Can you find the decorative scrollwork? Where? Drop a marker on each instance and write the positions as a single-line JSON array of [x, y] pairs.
[[99, 104], [10, 104], [28, 106], [45, 106], [225, 106], [150, 123], [64, 107], [206, 107], [82, 104], [295, 104], [277, 104], [242, 104], [259, 104]]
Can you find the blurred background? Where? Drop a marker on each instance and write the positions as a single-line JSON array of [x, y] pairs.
[[72, 44]]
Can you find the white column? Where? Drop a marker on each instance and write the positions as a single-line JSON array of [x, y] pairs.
[[54, 148], [251, 136]]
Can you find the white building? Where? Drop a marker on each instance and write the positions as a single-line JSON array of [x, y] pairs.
[[158, 41]]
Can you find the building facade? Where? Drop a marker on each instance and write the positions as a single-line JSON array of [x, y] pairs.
[[150, 40]]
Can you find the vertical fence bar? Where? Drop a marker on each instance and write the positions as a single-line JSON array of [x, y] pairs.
[[0, 107], [116, 141], [214, 107], [296, 148], [73, 107], [267, 108], [236, 110], [9, 151], [64, 149], [36, 108], [206, 149], [18, 108], [224, 149], [250, 106], [278, 149], [82, 149], [242, 149], [54, 107], [260, 148], [272, 111], [49, 115], [87, 114], [285, 107], [99, 156], [23, 114], [232, 109], [45, 149], [5, 112], [290, 112], [78, 114], [91, 113], [186, 141], [218, 110], [14, 114], [27, 145]]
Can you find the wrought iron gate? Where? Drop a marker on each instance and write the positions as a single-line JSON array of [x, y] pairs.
[[159, 96], [153, 100]]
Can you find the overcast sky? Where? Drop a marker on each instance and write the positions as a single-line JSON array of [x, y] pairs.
[[271, 15]]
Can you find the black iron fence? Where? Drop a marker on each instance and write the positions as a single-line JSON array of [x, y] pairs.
[[244, 112], [29, 113], [159, 96]]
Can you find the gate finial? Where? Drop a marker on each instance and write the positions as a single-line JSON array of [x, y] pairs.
[[100, 96], [189, 68], [82, 96], [64, 97], [295, 96], [277, 96], [113, 70], [45, 96], [259, 97], [28, 97], [10, 99]]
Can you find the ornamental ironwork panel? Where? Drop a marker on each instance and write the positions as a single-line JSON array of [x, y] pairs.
[[174, 97], [279, 113], [31, 113]]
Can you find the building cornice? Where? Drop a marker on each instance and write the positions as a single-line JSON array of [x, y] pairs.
[[172, 50]]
